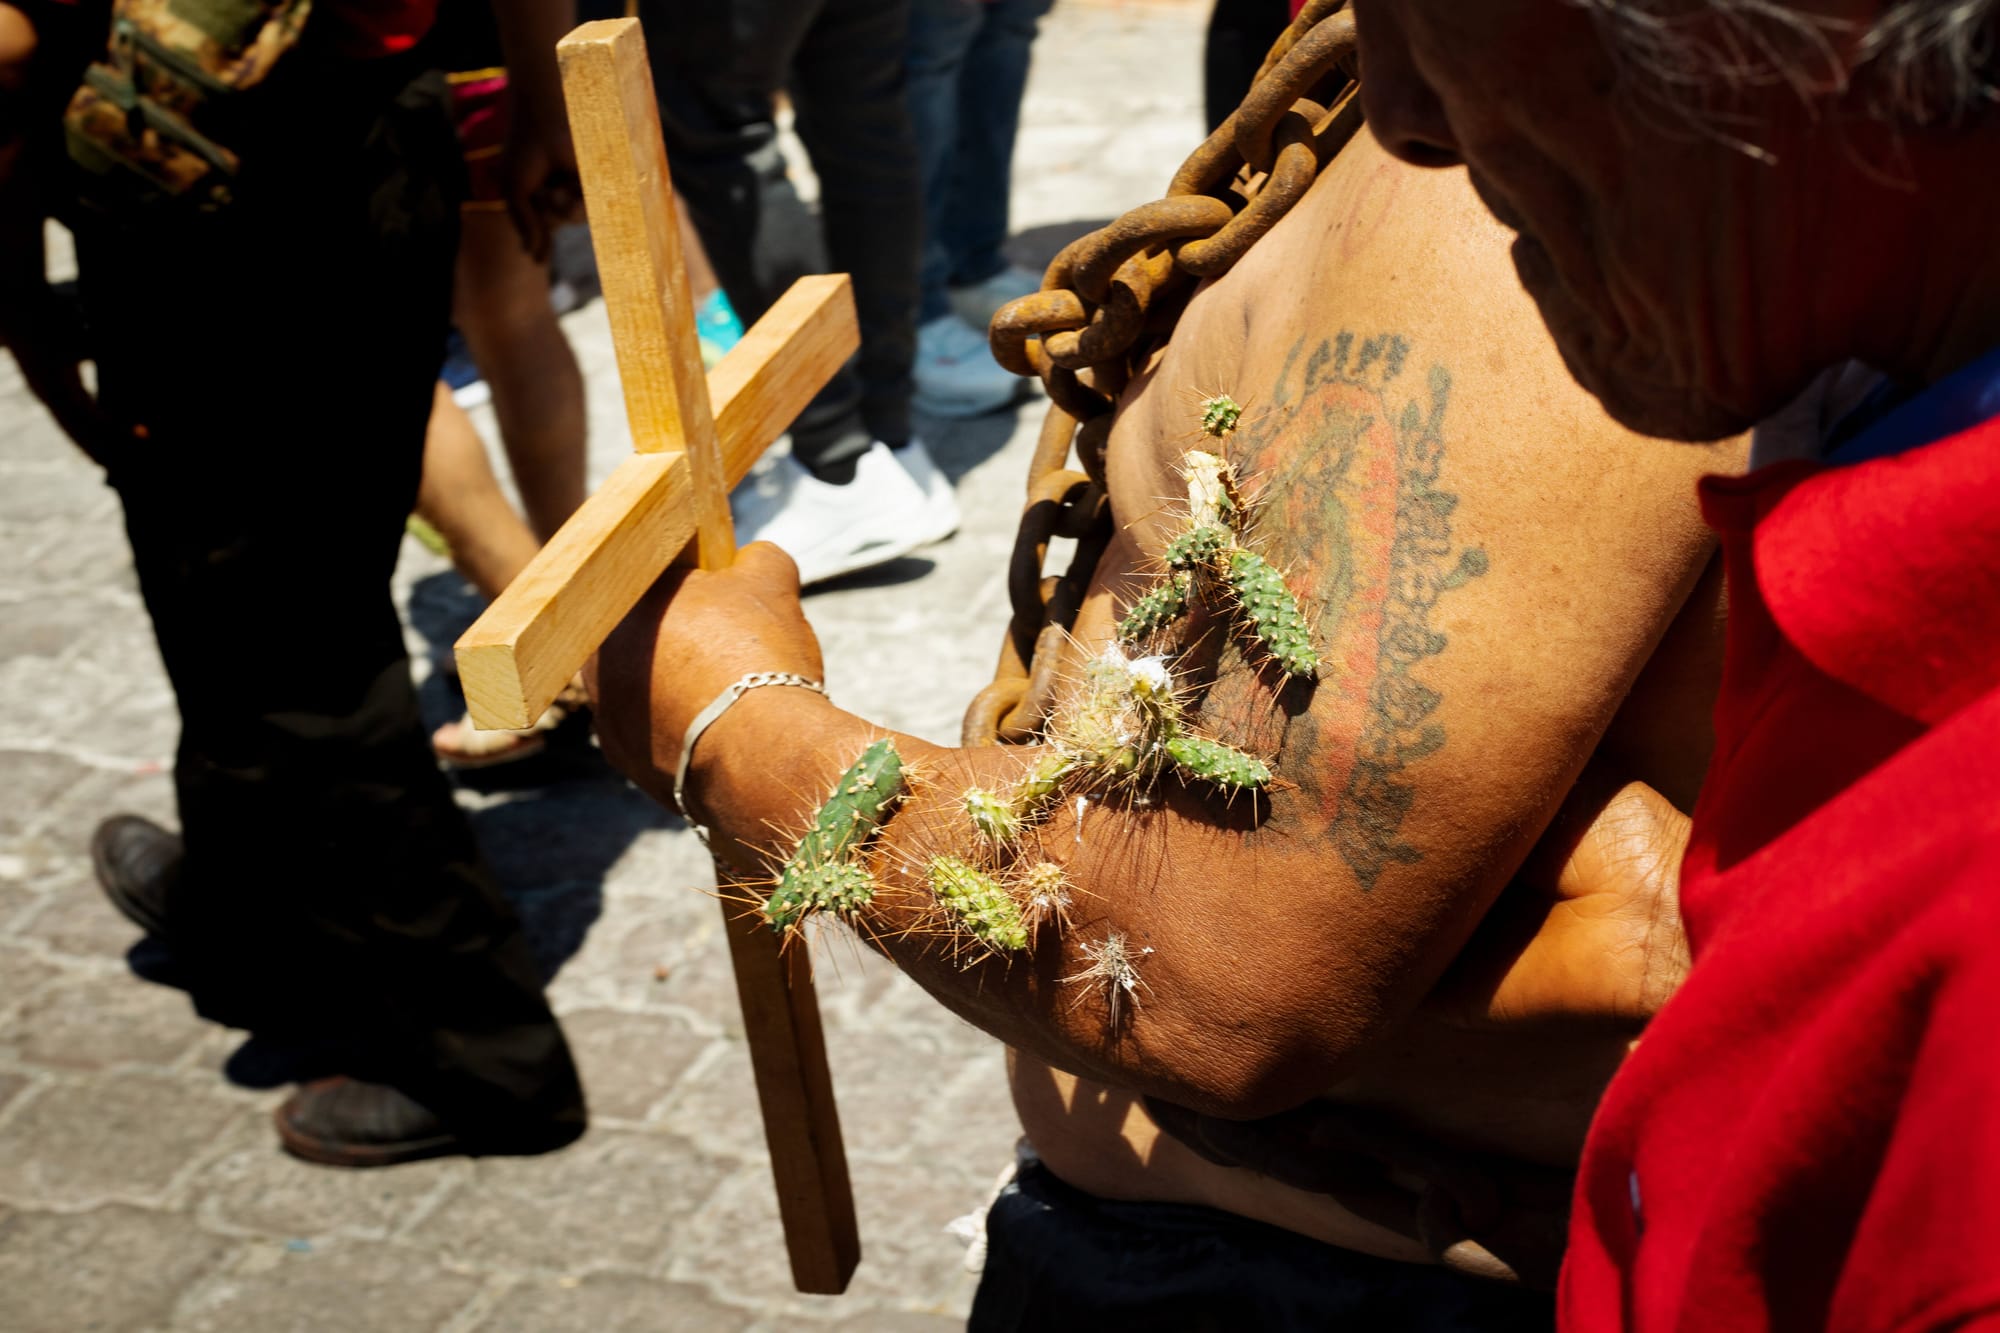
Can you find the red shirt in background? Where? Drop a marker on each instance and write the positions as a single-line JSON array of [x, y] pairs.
[[368, 29], [1808, 1135]]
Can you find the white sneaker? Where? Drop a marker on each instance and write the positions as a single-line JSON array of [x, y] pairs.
[[940, 504], [976, 302], [833, 530], [956, 374]]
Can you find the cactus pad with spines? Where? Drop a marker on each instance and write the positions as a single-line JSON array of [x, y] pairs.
[[1046, 877], [1043, 784], [1219, 415], [1272, 614], [1199, 547], [1045, 886], [979, 903], [818, 875], [837, 886], [1159, 608], [1216, 763], [996, 817]]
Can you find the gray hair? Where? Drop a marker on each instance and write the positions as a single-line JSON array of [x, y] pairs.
[[1922, 62]]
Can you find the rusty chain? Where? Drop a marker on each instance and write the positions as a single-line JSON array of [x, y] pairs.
[[1109, 300]]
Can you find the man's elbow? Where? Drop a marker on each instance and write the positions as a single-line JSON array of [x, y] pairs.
[[1244, 1065]]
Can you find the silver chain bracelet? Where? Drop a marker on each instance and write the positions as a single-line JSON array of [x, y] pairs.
[[706, 718]]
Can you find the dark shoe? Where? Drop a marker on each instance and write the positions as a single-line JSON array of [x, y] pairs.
[[346, 1122], [137, 862]]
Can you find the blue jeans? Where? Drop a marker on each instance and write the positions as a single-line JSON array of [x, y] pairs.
[[968, 68]]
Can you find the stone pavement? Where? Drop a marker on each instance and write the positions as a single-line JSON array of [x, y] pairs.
[[140, 1189]]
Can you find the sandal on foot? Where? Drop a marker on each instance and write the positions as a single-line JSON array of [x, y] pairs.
[[461, 745]]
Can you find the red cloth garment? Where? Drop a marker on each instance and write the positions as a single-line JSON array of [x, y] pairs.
[[369, 29], [479, 109], [1808, 1136]]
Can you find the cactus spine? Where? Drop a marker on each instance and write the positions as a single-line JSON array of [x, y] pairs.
[[823, 872], [979, 903], [1046, 887], [1114, 969]]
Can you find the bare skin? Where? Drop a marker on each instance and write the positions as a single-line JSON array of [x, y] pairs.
[[1691, 284], [1460, 700], [1498, 1061], [501, 303], [461, 497]]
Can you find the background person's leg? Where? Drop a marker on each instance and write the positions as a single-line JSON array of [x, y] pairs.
[[838, 504], [990, 89], [461, 497], [1240, 32], [331, 888], [717, 68], [941, 32], [500, 303], [848, 91]]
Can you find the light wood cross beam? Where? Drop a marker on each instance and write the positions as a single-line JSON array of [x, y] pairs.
[[695, 436]]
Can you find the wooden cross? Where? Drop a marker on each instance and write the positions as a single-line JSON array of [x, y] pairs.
[[694, 435]]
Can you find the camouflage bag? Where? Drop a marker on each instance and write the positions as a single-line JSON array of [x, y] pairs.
[[153, 119]]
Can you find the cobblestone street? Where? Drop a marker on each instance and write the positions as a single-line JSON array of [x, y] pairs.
[[140, 1182]]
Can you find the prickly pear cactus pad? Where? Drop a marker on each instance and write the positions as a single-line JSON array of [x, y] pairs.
[[1214, 762], [1199, 547], [994, 816], [839, 887], [1271, 613], [1156, 610], [821, 873], [978, 903]]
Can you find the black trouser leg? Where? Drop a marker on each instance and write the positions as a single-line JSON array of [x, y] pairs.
[[848, 88], [281, 356], [716, 67]]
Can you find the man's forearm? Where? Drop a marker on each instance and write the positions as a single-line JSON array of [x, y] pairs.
[[1215, 1018]]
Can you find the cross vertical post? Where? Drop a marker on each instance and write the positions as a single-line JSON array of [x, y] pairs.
[[694, 435]]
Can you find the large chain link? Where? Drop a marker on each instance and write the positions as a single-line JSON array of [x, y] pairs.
[[1111, 299]]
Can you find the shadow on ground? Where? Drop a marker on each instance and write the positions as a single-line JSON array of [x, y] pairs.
[[958, 446], [551, 827]]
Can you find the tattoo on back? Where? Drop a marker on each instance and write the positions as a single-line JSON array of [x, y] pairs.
[[1348, 454]]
